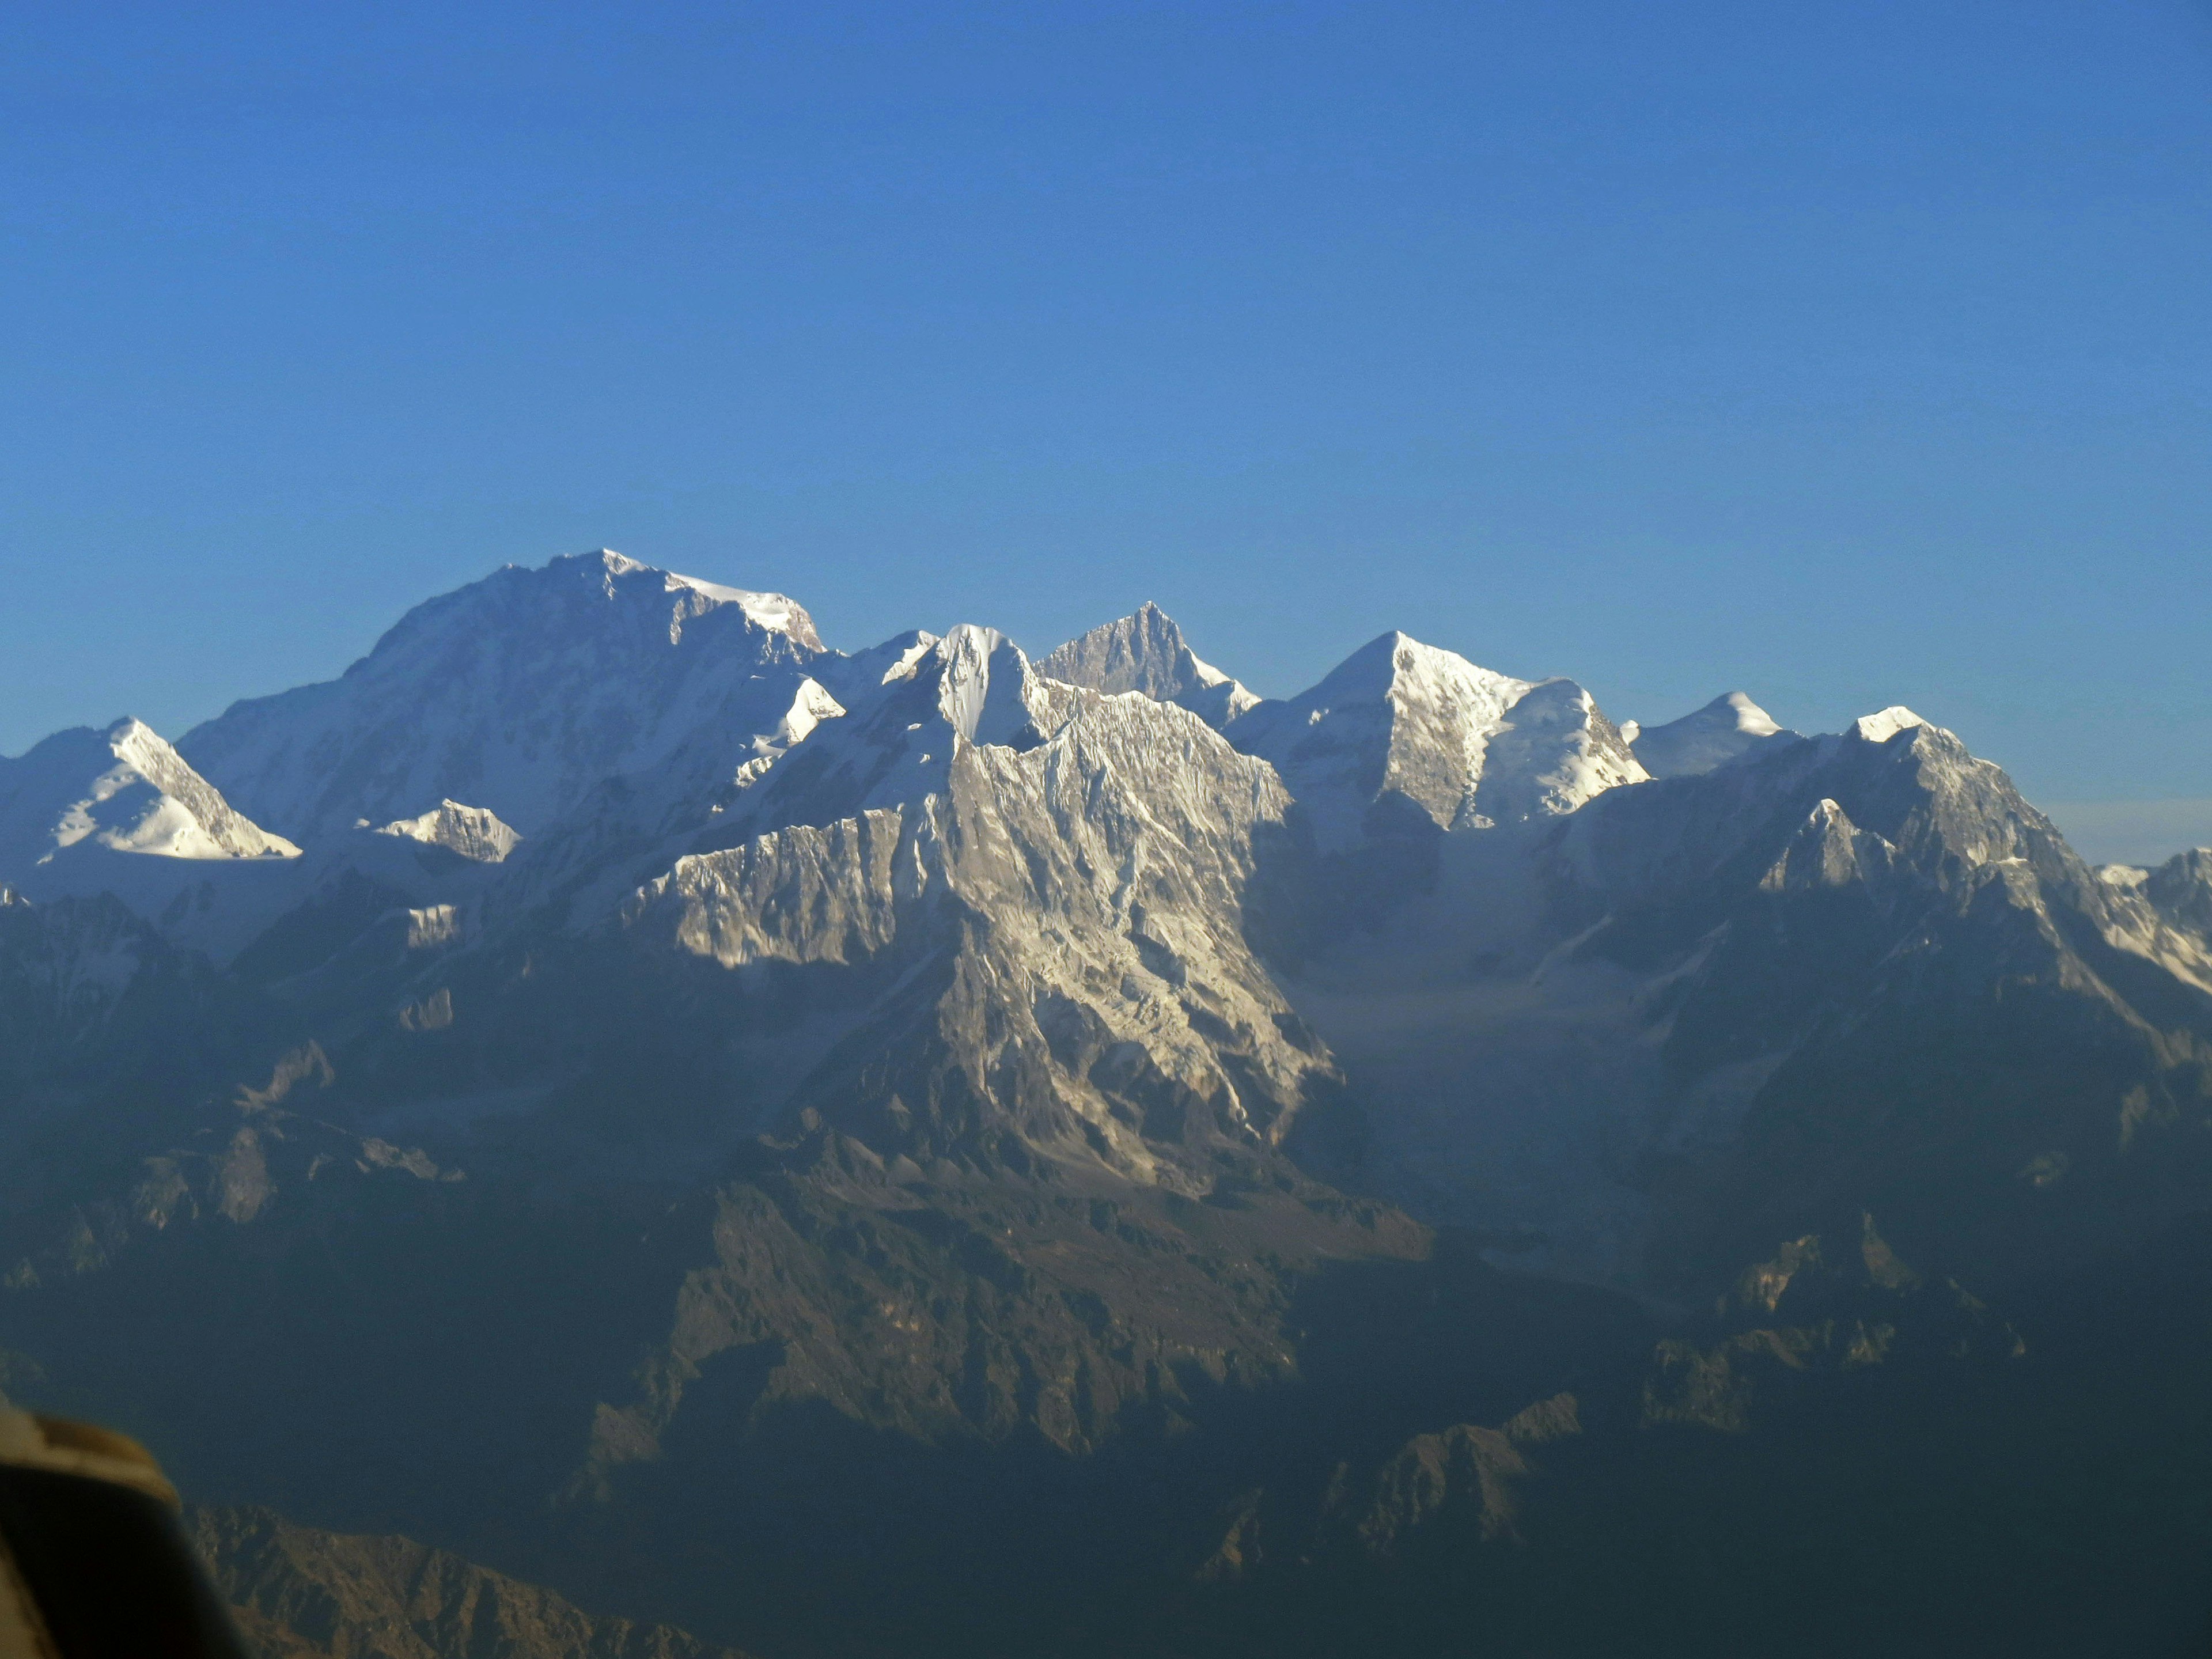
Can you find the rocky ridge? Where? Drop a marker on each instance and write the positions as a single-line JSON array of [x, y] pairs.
[[922, 1064], [298, 1593], [1146, 653]]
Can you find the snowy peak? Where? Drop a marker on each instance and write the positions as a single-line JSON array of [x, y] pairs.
[[895, 742], [1145, 652], [125, 790], [1724, 730], [983, 686], [852, 680], [1881, 727], [772, 611], [2180, 890], [518, 693], [474, 832], [1395, 721], [1555, 751], [1401, 724]]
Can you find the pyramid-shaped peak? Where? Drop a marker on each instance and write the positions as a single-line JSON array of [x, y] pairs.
[[1396, 717], [1397, 664], [1745, 715], [124, 788], [474, 832], [983, 685], [133, 731], [1145, 652]]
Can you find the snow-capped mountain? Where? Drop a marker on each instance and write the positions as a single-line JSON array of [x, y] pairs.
[[516, 694], [118, 813], [122, 790], [1043, 934], [1145, 652], [1060, 884], [2179, 890], [1001, 929], [897, 744], [677, 1060], [1554, 751], [1724, 996], [1400, 733], [1725, 729]]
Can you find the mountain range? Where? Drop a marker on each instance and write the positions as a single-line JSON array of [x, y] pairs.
[[927, 1150]]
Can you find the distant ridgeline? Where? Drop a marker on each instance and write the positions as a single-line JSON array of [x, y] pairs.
[[924, 1151]]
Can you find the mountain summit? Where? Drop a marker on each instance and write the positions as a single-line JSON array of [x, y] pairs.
[[1725, 729], [893, 1152], [123, 790], [515, 694], [1400, 727], [1145, 652]]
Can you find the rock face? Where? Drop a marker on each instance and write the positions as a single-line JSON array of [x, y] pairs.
[[1730, 990], [70, 972], [300, 1593], [2179, 891], [1836, 915], [1002, 939], [474, 832], [1147, 652], [1468, 1472], [959, 908], [852, 1153]]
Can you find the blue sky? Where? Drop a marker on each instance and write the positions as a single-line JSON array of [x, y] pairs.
[[1848, 354]]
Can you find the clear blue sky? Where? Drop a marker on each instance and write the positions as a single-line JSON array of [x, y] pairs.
[[1845, 353]]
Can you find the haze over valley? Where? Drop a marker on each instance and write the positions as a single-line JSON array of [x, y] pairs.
[[613, 1122]]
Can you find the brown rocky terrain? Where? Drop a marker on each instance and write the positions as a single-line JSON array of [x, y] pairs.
[[939, 1158], [296, 1593]]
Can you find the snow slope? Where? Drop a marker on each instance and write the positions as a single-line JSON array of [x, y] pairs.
[[123, 790], [517, 694], [1399, 724], [1725, 729]]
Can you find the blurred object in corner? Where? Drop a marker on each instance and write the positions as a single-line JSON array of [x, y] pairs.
[[94, 1563]]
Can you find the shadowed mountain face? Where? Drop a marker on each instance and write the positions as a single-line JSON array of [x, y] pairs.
[[924, 1151], [298, 1594]]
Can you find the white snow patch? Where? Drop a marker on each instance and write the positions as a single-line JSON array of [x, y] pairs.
[[1726, 729], [1469, 748], [1883, 726], [123, 789]]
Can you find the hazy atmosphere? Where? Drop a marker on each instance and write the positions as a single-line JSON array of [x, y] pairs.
[[1204, 831]]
